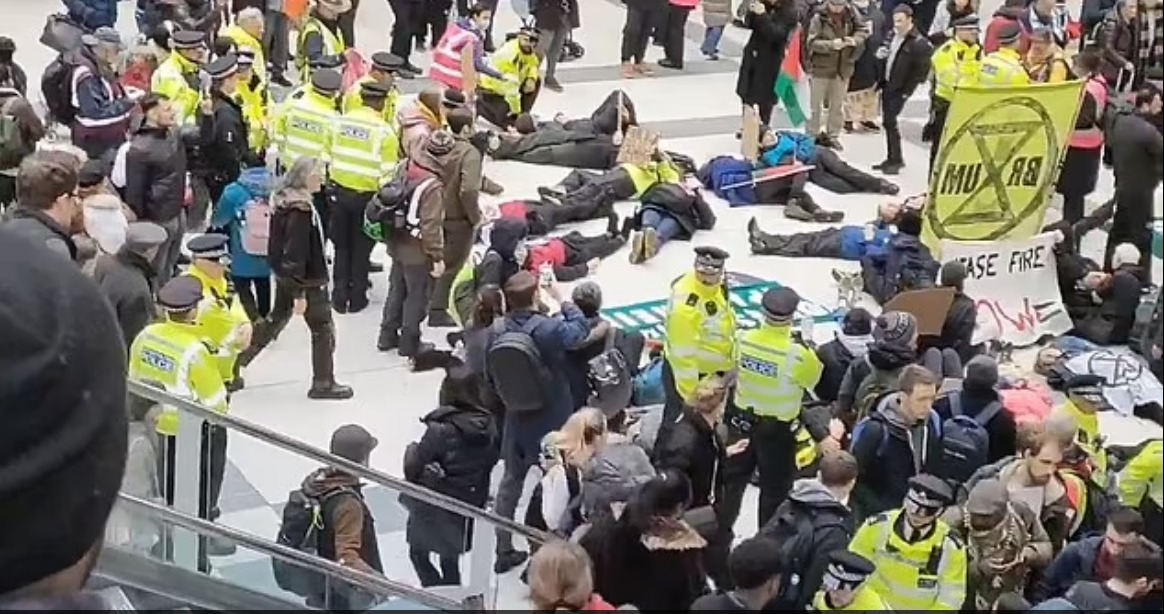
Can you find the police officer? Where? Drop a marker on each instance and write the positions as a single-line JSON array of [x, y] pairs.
[[773, 373], [386, 68], [1004, 68], [955, 63], [1141, 487], [228, 150], [364, 154], [700, 332], [254, 97], [306, 127], [177, 78], [173, 355], [920, 564], [844, 587], [320, 36], [221, 317]]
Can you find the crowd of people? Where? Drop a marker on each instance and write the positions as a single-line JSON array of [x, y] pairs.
[[896, 470]]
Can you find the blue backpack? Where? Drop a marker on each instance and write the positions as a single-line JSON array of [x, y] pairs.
[[965, 441], [862, 428]]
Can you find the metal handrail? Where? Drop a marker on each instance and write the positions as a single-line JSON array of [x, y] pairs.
[[379, 584], [295, 446]]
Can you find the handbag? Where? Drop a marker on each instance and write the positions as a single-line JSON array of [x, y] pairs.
[[61, 33]]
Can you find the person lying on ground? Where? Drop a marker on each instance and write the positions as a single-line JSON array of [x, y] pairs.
[[667, 211], [734, 180], [503, 259], [502, 100], [543, 216], [905, 264], [1117, 295], [780, 147], [552, 146], [626, 181], [574, 255], [844, 242], [614, 115]]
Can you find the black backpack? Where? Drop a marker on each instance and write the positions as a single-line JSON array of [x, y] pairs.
[[56, 86], [515, 368], [795, 530], [394, 211], [965, 441], [303, 520], [611, 384]]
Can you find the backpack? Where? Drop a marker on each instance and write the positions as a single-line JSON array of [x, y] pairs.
[[255, 233], [300, 528], [611, 385], [573, 514], [13, 149], [512, 359], [795, 530], [394, 211], [873, 388], [965, 445], [862, 427], [56, 86]]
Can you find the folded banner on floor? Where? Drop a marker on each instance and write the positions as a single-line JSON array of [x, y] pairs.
[[998, 161], [1016, 287]]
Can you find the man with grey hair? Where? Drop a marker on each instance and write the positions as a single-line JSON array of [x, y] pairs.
[[100, 107], [247, 34]]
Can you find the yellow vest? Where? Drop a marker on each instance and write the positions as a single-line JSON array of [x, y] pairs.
[[1090, 440], [333, 44], [1053, 69], [1003, 68], [864, 600], [243, 40], [510, 61], [700, 337], [926, 575], [253, 101], [173, 356], [363, 150], [646, 176], [1143, 476], [221, 318], [353, 100], [774, 372], [955, 63], [177, 80], [305, 128]]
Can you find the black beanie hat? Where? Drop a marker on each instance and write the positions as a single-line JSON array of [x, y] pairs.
[[62, 404], [858, 321]]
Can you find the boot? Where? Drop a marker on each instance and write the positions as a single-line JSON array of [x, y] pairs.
[[549, 193], [439, 318], [755, 239], [330, 391], [612, 226], [411, 344], [650, 243], [794, 210], [888, 188], [636, 250], [389, 340], [628, 226]]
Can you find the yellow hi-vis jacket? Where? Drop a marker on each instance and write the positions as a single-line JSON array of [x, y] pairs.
[[353, 100], [1003, 68], [864, 600], [700, 332], [243, 40], [1090, 440], [955, 63], [363, 150], [174, 357], [305, 128], [221, 319], [254, 98], [512, 62], [646, 176], [1143, 477], [929, 574], [178, 81], [333, 44]]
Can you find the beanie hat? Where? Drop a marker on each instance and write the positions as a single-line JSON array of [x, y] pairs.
[[1125, 253], [857, 322], [981, 374], [451, 98], [440, 143], [895, 327], [910, 223], [953, 274], [62, 403]]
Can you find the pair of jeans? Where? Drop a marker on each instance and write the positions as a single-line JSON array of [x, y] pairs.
[[449, 573], [892, 104], [255, 295], [711, 38], [635, 34], [549, 49], [666, 228]]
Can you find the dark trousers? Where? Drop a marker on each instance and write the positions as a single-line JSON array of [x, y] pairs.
[[494, 109], [448, 575], [352, 248], [276, 45], [7, 191], [319, 322], [409, 286], [404, 28], [458, 244], [939, 110], [635, 34], [819, 244], [347, 24], [211, 472], [255, 295], [1132, 224], [581, 249], [435, 18], [514, 470], [672, 405], [764, 110], [616, 181], [772, 451], [835, 175], [672, 30], [892, 104], [322, 201]]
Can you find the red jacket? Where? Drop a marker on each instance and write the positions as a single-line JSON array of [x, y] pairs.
[[550, 252], [514, 210], [1002, 17]]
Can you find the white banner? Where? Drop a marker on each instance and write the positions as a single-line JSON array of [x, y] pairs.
[[1015, 285]]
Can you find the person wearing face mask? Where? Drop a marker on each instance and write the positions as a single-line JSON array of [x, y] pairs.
[[1005, 542], [919, 564], [846, 586], [177, 79], [48, 208]]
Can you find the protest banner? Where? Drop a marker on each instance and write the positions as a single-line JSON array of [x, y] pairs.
[[998, 161], [1015, 285]]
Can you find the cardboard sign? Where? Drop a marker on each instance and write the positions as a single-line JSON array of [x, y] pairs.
[[638, 146], [929, 306], [750, 135]]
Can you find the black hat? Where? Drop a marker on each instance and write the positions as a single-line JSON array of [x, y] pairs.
[[180, 293], [981, 373], [382, 60], [223, 67], [929, 492], [7, 44], [326, 81], [1087, 386], [326, 61], [374, 90], [858, 321], [710, 258], [62, 403], [846, 570], [187, 39], [529, 32], [209, 246], [779, 304], [353, 442], [966, 22], [451, 98], [246, 57], [92, 173], [1009, 33]]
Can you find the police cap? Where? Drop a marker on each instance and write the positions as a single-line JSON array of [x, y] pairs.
[[223, 67], [847, 570], [966, 22], [1086, 386], [710, 258], [779, 304], [326, 61], [326, 81], [187, 39], [246, 57], [929, 491], [374, 90], [1009, 33], [208, 246], [529, 32], [180, 293], [382, 60]]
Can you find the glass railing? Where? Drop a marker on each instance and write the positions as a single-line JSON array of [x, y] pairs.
[[426, 540], [136, 559]]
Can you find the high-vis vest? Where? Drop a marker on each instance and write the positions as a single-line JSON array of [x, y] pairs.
[[305, 129], [333, 44], [864, 600], [244, 40], [643, 177], [510, 61], [774, 373], [446, 56], [1090, 440], [173, 356], [955, 64], [1053, 69], [700, 337], [353, 100], [929, 574], [221, 318], [1142, 479], [363, 150], [1092, 138], [1003, 68], [253, 100], [177, 80]]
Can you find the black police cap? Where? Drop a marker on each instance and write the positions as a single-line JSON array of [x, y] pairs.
[[387, 62], [210, 245], [180, 293], [326, 81]]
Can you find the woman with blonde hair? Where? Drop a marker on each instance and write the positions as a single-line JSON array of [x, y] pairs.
[[561, 578], [556, 503]]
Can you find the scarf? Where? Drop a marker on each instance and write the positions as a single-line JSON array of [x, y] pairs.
[[856, 345]]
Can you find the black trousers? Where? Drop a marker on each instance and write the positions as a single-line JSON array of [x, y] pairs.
[[407, 15], [347, 24], [581, 249], [449, 573], [636, 32], [616, 181], [7, 191], [672, 405], [892, 104], [255, 295], [835, 175], [495, 109], [772, 451], [319, 322], [1132, 224], [672, 29], [764, 110], [819, 244], [939, 110], [409, 287], [352, 247], [434, 20], [211, 468]]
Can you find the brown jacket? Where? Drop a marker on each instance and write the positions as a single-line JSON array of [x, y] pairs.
[[346, 519], [429, 247], [824, 28], [463, 182]]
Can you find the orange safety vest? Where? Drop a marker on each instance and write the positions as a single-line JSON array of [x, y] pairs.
[[1092, 138]]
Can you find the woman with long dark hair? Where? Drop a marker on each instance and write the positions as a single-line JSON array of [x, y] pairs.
[[771, 22]]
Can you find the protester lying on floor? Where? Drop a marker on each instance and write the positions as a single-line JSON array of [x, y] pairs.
[[604, 119], [501, 101], [624, 182], [842, 242], [905, 264], [504, 257], [541, 217], [667, 211], [780, 147], [574, 255], [556, 146], [1110, 321], [734, 180]]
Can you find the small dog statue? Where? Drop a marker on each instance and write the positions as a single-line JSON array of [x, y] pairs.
[[850, 286]]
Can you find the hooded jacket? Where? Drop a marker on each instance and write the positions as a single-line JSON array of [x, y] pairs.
[[499, 264], [416, 122], [836, 356], [890, 449], [295, 244], [613, 474], [253, 185], [1076, 563], [906, 264], [127, 281], [348, 536], [882, 355], [429, 247]]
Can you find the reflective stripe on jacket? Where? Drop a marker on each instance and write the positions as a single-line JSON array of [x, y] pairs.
[[700, 337], [173, 356], [177, 80], [1092, 138], [305, 129], [1003, 68], [929, 574], [446, 57], [514, 64], [363, 150]]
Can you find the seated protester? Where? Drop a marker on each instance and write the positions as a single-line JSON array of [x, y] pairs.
[[961, 319], [556, 503], [979, 399], [1005, 542], [850, 343], [667, 211], [1090, 559], [906, 263], [1033, 477], [845, 242], [506, 256], [1140, 487], [1111, 322], [899, 439], [1134, 584], [757, 571], [845, 585], [573, 255], [780, 147], [543, 216], [649, 547], [587, 296], [502, 98]]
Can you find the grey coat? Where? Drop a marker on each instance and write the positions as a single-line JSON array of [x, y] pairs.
[[41, 229], [717, 13], [126, 280]]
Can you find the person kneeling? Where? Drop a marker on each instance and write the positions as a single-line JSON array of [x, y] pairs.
[[668, 211], [501, 101]]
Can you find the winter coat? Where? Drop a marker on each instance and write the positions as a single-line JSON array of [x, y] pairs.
[[911, 66], [429, 247], [868, 71], [101, 100], [93, 14], [42, 230], [28, 123], [1137, 153], [127, 281], [416, 122], [613, 474], [1117, 46], [717, 13], [454, 457], [957, 329], [883, 356], [688, 208], [155, 174], [906, 265], [1057, 508], [695, 449], [764, 52], [854, 245], [1001, 428], [823, 61], [790, 147], [462, 182], [348, 536], [1111, 322], [17, 79], [836, 356], [555, 14], [1003, 16], [723, 171], [1076, 563], [253, 185], [295, 249], [227, 151], [889, 454], [1097, 597], [498, 264]]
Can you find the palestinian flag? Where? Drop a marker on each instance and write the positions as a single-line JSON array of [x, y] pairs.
[[792, 82]]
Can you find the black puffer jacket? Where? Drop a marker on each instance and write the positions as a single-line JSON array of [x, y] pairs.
[[155, 174], [836, 355], [688, 208], [957, 330], [695, 450], [1111, 322]]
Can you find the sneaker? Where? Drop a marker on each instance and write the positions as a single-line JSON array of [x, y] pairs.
[[665, 63], [330, 391], [888, 188], [509, 560], [644, 70], [439, 318], [636, 250], [281, 81], [650, 243], [552, 84], [871, 126], [628, 71]]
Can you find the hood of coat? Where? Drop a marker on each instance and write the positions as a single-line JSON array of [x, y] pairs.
[[322, 481], [104, 222], [505, 236], [673, 535], [890, 409], [424, 162], [476, 425], [257, 182], [889, 356], [293, 199], [811, 493], [417, 114]]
